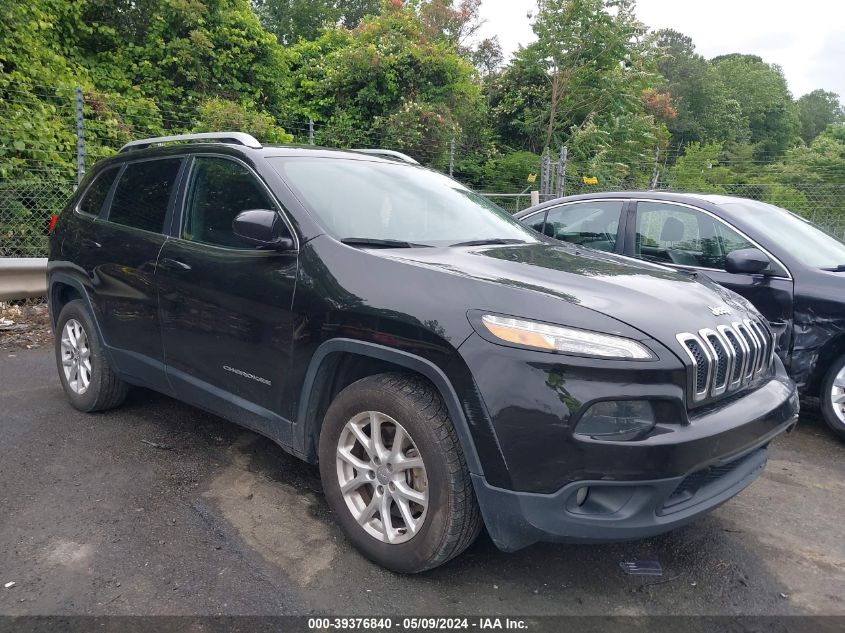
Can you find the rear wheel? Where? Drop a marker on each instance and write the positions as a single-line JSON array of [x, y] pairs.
[[394, 473], [832, 397], [84, 371]]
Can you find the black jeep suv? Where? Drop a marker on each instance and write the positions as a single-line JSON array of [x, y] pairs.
[[446, 366]]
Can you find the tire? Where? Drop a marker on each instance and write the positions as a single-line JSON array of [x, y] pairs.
[[449, 520], [833, 387], [104, 390]]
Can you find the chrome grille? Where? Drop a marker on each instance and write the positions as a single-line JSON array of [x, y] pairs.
[[726, 358]]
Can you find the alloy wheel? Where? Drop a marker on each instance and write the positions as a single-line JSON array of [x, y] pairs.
[[382, 477], [76, 356], [837, 394]]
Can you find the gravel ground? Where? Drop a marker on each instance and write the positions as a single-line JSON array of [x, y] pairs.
[[159, 508], [24, 325]]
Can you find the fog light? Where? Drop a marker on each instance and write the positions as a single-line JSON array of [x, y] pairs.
[[581, 495], [617, 420]]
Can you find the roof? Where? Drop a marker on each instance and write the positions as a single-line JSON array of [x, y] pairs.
[[669, 196]]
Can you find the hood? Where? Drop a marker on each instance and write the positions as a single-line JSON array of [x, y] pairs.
[[653, 299]]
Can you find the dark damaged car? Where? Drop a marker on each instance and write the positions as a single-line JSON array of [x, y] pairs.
[[790, 269], [446, 366]]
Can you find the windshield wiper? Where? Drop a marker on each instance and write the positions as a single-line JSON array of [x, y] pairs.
[[378, 243], [839, 268], [489, 240]]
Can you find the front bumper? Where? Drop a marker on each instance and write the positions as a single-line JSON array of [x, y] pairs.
[[731, 455]]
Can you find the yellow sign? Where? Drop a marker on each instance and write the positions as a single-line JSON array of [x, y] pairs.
[[532, 177], [590, 180]]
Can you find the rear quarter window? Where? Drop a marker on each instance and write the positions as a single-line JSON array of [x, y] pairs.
[[95, 196], [143, 193]]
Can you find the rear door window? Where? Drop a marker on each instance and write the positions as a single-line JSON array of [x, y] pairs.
[[95, 196], [143, 194]]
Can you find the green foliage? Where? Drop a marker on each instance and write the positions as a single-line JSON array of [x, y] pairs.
[[582, 84], [510, 172], [698, 170], [817, 110], [764, 100], [385, 80], [216, 114], [705, 111], [180, 51], [823, 162], [294, 20], [404, 75]]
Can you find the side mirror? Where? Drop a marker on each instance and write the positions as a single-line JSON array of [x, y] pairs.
[[261, 227], [748, 261]]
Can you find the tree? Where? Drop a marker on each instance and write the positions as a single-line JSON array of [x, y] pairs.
[[457, 21], [764, 100], [292, 20], [188, 51], [705, 112], [487, 56], [580, 42], [822, 162], [817, 110], [386, 80], [583, 84]]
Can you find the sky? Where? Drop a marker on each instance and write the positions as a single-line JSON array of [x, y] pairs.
[[806, 38]]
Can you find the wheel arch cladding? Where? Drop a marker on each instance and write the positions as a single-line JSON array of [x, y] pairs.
[[61, 293], [63, 289], [349, 360]]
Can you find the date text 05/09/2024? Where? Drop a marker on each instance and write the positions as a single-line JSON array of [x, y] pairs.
[[417, 623]]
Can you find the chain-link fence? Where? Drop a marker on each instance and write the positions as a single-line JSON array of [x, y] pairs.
[[26, 206], [48, 135]]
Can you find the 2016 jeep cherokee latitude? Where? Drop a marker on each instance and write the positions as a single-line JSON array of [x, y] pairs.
[[446, 366]]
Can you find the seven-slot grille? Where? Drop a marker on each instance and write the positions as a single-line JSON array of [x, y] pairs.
[[728, 357]]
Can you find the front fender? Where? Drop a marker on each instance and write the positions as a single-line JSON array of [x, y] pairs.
[[306, 414]]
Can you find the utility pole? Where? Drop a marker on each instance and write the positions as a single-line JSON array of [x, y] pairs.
[[451, 156], [310, 131], [80, 137]]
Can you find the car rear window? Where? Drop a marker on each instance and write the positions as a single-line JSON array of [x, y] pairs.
[[143, 193], [95, 196]]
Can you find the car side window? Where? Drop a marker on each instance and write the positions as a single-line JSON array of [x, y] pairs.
[[143, 193], [94, 197], [592, 223], [673, 234], [219, 189]]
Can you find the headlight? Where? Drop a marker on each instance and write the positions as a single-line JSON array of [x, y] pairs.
[[620, 420], [555, 338]]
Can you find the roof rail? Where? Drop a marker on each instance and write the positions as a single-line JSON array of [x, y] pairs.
[[389, 153], [238, 138]]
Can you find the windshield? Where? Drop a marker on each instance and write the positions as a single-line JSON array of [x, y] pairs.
[[375, 200], [806, 242]]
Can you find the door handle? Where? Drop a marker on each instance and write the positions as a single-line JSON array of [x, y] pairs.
[[173, 264], [89, 243]]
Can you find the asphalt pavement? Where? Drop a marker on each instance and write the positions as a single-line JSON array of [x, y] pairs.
[[159, 508]]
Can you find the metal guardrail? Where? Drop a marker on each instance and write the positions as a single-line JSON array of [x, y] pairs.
[[22, 277]]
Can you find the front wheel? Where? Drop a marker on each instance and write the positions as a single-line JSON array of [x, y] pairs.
[[394, 473], [832, 397]]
